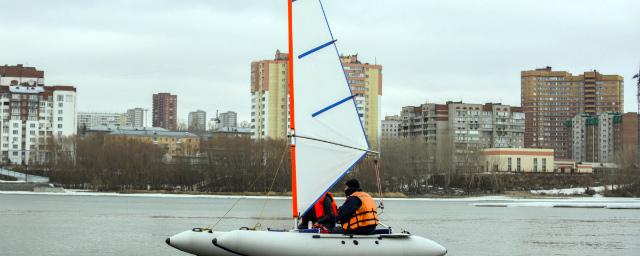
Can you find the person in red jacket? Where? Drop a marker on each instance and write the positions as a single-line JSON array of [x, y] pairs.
[[322, 215]]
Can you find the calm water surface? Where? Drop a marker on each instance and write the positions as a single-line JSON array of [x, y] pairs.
[[109, 225]]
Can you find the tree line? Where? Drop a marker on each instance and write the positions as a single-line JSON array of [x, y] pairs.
[[241, 164]]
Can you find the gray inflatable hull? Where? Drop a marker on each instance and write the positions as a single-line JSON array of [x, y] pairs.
[[256, 243]]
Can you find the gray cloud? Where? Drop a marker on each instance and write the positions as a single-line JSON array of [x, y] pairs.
[[120, 52]]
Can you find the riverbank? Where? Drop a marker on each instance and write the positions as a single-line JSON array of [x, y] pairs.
[[507, 196]]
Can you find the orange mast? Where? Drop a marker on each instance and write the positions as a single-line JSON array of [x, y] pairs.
[[294, 192]]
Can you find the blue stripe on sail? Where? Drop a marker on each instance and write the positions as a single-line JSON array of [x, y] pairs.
[[345, 172], [331, 106], [316, 49], [344, 73]]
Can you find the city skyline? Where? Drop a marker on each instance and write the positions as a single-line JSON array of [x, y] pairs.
[[475, 58]]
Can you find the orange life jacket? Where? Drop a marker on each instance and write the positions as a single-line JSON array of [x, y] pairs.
[[366, 215], [319, 206]]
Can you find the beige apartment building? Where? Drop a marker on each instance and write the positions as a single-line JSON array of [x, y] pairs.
[[270, 97], [365, 81], [549, 98], [270, 101]]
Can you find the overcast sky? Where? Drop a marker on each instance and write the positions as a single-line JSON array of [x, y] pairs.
[[118, 53]]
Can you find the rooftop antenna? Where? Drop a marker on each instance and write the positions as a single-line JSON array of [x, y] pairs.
[[217, 121]]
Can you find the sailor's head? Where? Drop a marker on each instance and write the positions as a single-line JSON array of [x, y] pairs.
[[351, 186]]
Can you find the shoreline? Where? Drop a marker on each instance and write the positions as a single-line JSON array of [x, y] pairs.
[[509, 196]]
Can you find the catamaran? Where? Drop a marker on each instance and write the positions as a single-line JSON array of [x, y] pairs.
[[327, 141]]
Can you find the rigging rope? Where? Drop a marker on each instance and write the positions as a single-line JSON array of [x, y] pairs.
[[379, 186], [273, 181], [251, 185]]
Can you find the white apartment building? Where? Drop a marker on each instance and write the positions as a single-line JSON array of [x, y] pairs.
[[228, 121], [197, 120], [32, 113], [135, 117], [91, 120], [459, 129], [603, 138], [390, 127]]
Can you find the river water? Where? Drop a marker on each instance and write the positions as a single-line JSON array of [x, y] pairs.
[[38, 224]]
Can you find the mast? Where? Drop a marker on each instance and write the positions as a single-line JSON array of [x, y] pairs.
[[292, 126]]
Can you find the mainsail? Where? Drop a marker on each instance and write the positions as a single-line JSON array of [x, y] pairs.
[[328, 136]]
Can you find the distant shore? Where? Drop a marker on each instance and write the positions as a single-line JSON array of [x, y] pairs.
[[508, 195]]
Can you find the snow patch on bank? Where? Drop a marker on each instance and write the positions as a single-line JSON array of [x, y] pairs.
[[569, 191], [72, 192], [596, 202], [484, 201]]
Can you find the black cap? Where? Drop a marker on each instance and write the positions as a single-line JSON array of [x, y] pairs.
[[353, 183]]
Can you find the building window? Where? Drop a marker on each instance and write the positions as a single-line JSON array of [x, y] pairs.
[[60, 97], [535, 165], [544, 164], [518, 165], [59, 126], [509, 164]]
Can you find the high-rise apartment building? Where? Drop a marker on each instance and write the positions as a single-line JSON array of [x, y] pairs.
[[269, 95], [456, 128], [390, 127], [32, 113], [135, 117], [91, 120], [549, 98], [365, 81], [605, 138], [197, 121], [165, 109], [228, 121]]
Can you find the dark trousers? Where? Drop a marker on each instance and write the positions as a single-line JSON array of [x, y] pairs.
[[368, 230]]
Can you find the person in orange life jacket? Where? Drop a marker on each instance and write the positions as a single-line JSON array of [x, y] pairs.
[[323, 213], [358, 215]]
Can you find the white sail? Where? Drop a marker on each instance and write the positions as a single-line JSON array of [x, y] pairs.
[[329, 136]]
